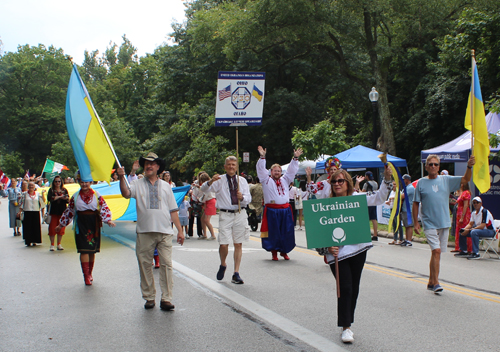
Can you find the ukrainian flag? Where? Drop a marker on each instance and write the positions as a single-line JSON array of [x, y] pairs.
[[257, 93], [93, 153], [481, 146]]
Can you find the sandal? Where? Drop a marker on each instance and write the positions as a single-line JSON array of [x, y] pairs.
[[393, 242]]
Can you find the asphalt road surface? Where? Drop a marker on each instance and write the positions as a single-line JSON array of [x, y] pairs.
[[283, 306]]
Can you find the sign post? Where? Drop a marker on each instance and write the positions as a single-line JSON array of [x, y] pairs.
[[240, 101]]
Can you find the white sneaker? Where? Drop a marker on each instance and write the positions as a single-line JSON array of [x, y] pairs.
[[60, 248], [347, 336], [52, 248]]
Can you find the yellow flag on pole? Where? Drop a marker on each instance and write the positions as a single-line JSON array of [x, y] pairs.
[[475, 121]]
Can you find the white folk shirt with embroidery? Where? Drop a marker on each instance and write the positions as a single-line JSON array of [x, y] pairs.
[[222, 194], [269, 187]]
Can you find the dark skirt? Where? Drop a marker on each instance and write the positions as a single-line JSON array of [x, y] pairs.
[[32, 227], [88, 233]]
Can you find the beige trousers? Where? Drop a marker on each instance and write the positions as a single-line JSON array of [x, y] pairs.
[[144, 249]]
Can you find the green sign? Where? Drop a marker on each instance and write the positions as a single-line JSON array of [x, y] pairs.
[[336, 221]]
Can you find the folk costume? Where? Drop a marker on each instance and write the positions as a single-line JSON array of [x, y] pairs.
[[322, 189], [88, 211], [277, 229], [32, 227]]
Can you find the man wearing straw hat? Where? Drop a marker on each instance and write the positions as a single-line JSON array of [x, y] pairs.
[[232, 194], [156, 209], [277, 229]]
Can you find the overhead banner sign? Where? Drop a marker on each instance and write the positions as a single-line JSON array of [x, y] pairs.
[[240, 98], [336, 221]]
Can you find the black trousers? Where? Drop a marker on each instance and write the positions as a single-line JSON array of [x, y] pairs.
[[350, 270], [198, 226]]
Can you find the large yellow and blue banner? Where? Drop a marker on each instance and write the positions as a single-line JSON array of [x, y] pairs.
[[93, 153], [122, 209], [475, 121]]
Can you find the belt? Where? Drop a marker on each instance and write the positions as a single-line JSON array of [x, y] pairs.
[[228, 211]]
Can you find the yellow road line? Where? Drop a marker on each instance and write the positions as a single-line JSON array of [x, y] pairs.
[[411, 277]]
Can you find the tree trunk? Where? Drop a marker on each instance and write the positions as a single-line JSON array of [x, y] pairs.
[[386, 140]]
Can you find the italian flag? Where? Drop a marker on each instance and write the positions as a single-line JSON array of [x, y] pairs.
[[52, 166]]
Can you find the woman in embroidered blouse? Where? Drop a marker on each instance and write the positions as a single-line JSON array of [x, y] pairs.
[[90, 210], [14, 195], [58, 197], [31, 204], [351, 258]]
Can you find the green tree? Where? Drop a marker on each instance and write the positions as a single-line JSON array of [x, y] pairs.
[[33, 84], [322, 138]]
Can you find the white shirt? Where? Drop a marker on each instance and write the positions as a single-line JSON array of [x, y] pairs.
[[271, 192], [152, 216], [477, 218], [221, 190]]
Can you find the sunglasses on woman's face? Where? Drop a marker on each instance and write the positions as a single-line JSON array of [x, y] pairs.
[[475, 202], [340, 181], [433, 164]]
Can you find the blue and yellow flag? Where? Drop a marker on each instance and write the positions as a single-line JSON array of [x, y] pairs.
[[257, 93], [479, 135], [93, 153]]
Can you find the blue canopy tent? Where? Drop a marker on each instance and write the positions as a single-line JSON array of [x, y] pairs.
[[362, 157]]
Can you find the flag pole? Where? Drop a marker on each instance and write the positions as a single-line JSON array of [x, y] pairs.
[[44, 166], [473, 59], [102, 128], [238, 168]]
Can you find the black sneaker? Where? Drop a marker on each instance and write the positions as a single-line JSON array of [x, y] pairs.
[[473, 256], [220, 273], [237, 279], [462, 254], [374, 238]]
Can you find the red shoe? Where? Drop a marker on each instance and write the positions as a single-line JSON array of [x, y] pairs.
[[157, 261], [285, 256], [91, 267], [275, 255], [86, 276]]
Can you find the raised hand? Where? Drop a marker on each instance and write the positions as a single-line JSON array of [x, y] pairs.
[[262, 151], [298, 152]]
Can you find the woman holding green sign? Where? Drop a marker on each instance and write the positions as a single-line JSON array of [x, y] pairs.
[[351, 258]]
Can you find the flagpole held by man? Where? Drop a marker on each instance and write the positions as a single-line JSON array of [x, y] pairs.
[[475, 121]]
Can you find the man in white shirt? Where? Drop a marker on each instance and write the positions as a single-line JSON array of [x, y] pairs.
[[277, 229], [156, 209], [480, 225], [232, 194]]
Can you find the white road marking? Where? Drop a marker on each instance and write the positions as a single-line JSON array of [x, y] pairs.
[[294, 329]]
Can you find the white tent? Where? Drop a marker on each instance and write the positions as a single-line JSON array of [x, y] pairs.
[[307, 163]]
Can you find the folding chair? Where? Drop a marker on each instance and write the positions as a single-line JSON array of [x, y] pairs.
[[488, 242]]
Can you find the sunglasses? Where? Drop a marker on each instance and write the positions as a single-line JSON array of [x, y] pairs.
[[433, 164], [476, 203], [340, 181], [57, 181]]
